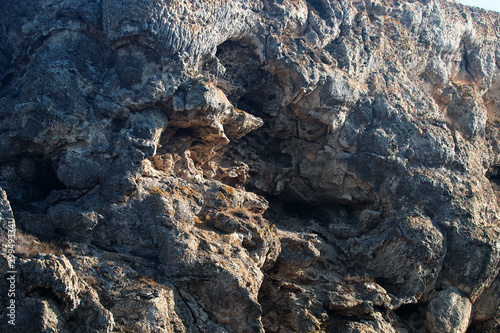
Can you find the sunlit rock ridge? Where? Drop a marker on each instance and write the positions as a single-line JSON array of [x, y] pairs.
[[250, 166]]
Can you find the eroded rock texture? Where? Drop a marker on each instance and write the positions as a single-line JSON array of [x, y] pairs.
[[251, 166]]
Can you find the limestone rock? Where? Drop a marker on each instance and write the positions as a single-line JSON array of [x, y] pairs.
[[7, 223], [415, 240], [251, 166], [51, 296], [486, 307], [448, 312]]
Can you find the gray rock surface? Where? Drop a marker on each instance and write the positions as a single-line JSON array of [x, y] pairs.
[[251, 165]]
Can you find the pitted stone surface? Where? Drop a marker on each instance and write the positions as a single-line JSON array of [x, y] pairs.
[[251, 166]]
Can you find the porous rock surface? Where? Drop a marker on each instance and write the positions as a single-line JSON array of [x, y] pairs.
[[251, 166]]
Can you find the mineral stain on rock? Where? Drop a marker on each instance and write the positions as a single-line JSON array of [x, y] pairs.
[[250, 166]]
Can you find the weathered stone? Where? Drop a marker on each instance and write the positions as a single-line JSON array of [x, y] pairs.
[[412, 240], [51, 297], [448, 312], [250, 166], [7, 224], [486, 308]]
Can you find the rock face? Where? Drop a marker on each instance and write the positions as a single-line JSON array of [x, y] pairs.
[[250, 166]]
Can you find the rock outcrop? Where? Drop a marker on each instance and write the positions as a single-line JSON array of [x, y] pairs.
[[250, 166]]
